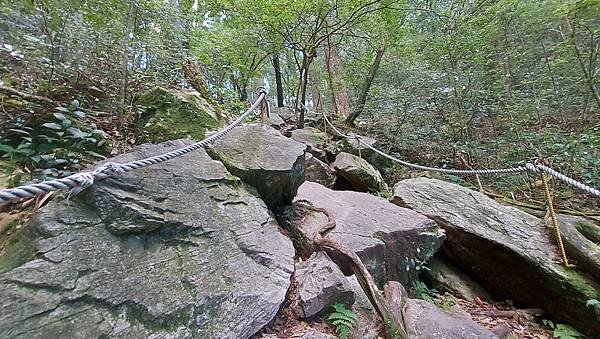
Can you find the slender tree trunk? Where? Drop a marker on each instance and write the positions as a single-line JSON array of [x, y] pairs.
[[278, 80], [588, 73], [316, 96], [125, 61], [366, 86], [338, 90], [307, 58]]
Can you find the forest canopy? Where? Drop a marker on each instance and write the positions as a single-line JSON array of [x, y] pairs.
[[497, 83]]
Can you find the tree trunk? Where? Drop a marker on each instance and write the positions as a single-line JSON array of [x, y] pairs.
[[278, 80], [316, 96], [125, 61], [588, 74], [307, 58], [366, 86], [338, 90], [195, 79]]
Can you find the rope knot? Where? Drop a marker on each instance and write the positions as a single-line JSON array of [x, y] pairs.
[[85, 180], [111, 167]]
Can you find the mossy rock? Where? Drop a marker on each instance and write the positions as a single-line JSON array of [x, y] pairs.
[[173, 114]]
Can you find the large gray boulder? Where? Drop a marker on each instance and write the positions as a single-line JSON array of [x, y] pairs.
[[318, 171], [509, 251], [176, 250], [320, 284], [580, 238], [265, 159], [359, 173], [393, 242]]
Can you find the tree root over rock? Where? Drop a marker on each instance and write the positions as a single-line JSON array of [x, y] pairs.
[[389, 305]]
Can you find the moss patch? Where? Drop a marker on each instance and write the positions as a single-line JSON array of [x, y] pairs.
[[171, 114]]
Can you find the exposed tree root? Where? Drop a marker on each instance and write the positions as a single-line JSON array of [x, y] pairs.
[[389, 306]]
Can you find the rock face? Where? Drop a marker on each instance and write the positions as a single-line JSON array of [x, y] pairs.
[[275, 120], [172, 114], [509, 251], [313, 138], [318, 171], [180, 249], [579, 237], [425, 321], [265, 159], [359, 173], [444, 276], [392, 242], [320, 284]]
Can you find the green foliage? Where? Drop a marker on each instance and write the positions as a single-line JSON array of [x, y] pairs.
[[342, 319], [562, 331], [421, 290], [52, 145]]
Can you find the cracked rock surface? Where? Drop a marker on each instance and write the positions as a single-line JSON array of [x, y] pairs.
[[265, 159], [180, 249], [392, 242]]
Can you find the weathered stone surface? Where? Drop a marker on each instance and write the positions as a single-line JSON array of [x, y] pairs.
[[284, 112], [320, 284], [275, 120], [265, 159], [171, 114], [509, 251], [359, 173], [180, 249], [444, 276], [425, 321], [585, 251], [318, 171], [314, 334], [392, 242], [313, 138]]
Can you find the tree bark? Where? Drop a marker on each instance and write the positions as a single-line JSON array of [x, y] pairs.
[[338, 90], [195, 79], [307, 58], [125, 61], [366, 86], [278, 80], [589, 74]]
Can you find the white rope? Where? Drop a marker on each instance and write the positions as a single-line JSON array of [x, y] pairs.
[[532, 167], [80, 181]]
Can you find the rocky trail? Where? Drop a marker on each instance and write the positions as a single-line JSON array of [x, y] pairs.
[[219, 243]]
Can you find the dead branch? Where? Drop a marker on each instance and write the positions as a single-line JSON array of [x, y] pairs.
[[30, 97]]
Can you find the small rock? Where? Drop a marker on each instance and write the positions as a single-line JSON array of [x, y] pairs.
[[313, 138], [425, 321], [320, 284], [502, 330], [275, 120], [318, 171], [314, 334], [359, 173]]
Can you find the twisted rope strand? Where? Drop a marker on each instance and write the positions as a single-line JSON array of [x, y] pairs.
[[532, 167], [80, 181]]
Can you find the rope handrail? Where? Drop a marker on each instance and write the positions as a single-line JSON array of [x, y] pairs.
[[79, 181], [532, 167]]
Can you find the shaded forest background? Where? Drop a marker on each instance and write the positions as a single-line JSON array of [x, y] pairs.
[[447, 83]]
